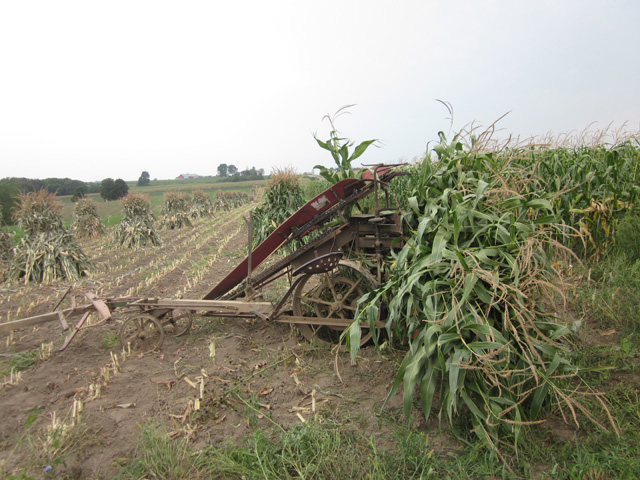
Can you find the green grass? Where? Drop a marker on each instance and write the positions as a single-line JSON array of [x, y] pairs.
[[336, 449], [20, 362], [111, 212]]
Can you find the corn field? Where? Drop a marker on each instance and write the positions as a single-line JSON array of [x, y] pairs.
[[6, 253], [590, 188], [228, 200], [473, 290]]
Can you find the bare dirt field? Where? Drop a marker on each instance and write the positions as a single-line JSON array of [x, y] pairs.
[[224, 379]]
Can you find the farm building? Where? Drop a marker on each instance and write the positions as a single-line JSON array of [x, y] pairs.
[[187, 175]]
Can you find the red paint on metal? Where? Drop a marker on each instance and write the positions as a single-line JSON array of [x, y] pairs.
[[307, 212]]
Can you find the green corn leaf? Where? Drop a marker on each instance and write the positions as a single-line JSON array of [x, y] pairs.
[[411, 379], [439, 243], [360, 149], [427, 388]]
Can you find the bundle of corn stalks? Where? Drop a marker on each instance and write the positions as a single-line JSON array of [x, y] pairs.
[[283, 197], [47, 251], [467, 293], [176, 210], [87, 222], [228, 200], [137, 227], [202, 206]]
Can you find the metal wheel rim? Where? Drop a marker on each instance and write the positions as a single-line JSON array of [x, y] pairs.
[[142, 332], [338, 308], [178, 322]]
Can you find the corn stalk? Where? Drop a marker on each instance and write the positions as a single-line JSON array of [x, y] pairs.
[[467, 294], [283, 197], [339, 147]]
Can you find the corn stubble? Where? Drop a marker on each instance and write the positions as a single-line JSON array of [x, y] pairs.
[[137, 228], [46, 251]]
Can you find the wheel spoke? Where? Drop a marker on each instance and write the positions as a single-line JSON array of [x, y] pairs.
[[354, 286], [331, 296], [142, 332], [329, 281]]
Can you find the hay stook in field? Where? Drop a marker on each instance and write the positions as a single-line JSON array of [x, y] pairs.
[[137, 228], [201, 206], [47, 251], [87, 222], [228, 200], [282, 198], [176, 210]]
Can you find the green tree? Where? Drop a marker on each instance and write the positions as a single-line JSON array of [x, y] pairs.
[[232, 170], [106, 189], [78, 194], [222, 170], [120, 188], [144, 179], [8, 193]]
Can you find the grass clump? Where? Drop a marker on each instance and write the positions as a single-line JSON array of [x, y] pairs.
[[46, 251], [312, 450], [87, 221], [176, 210], [158, 456], [137, 228], [627, 237]]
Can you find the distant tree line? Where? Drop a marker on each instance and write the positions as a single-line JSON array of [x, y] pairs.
[[230, 173], [57, 186], [11, 187]]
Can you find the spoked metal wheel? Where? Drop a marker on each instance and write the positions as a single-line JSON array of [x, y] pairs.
[[177, 322], [142, 332], [333, 297]]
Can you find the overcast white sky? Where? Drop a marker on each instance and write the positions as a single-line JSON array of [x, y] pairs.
[[90, 90]]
